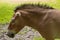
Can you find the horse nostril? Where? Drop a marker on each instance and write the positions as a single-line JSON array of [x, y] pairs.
[[10, 35]]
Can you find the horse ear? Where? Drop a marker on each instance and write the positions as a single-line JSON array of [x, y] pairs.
[[18, 14], [24, 13]]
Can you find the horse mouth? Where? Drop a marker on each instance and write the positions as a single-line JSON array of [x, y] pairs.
[[11, 35]]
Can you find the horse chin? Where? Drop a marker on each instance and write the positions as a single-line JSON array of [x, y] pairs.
[[10, 34]]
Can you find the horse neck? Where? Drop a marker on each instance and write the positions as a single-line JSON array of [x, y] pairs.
[[34, 17]]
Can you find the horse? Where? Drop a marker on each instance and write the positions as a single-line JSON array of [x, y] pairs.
[[45, 19]]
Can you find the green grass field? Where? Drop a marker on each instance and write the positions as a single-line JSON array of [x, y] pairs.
[[6, 12]]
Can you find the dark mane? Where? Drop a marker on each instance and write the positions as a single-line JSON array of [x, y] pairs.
[[29, 6]]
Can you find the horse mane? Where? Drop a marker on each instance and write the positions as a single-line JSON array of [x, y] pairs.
[[27, 6]]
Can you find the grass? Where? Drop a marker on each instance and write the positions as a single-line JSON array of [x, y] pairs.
[[38, 38], [6, 12]]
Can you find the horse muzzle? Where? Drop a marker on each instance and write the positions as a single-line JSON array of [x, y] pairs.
[[10, 34]]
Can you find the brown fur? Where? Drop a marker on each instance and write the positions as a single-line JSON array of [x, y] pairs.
[[44, 19]]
